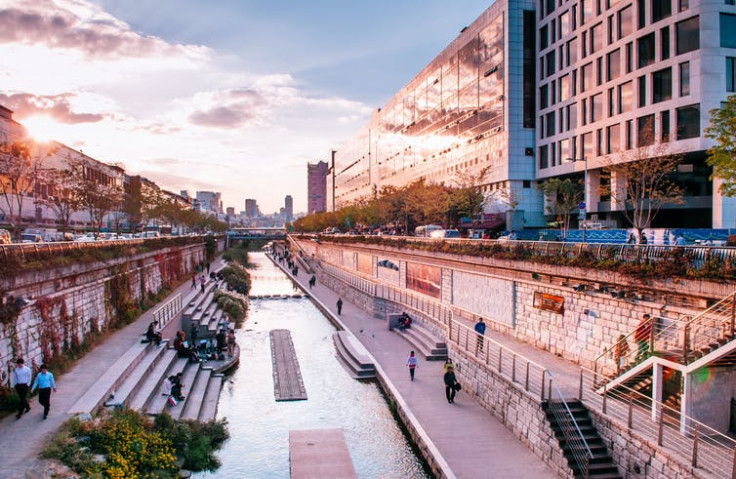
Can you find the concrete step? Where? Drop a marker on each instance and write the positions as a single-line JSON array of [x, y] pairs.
[[153, 381], [110, 380], [353, 356], [215, 322], [208, 410], [137, 376], [191, 370], [195, 398], [157, 402], [207, 315], [428, 348]]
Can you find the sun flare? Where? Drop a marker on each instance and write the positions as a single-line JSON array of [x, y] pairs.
[[42, 128]]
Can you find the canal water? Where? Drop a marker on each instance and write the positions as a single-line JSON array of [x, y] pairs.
[[259, 426]]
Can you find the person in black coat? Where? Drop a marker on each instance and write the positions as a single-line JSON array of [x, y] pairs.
[[450, 385]]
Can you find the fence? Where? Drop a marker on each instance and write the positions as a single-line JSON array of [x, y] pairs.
[[167, 311]]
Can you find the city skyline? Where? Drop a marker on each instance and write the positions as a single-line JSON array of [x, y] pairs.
[[212, 101]]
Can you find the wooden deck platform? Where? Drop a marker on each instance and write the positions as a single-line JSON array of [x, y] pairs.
[[320, 453], [287, 377]]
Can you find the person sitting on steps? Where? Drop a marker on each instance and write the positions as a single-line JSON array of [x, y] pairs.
[[404, 322], [152, 336]]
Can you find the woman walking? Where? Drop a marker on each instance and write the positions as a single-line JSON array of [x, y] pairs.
[[413, 363]]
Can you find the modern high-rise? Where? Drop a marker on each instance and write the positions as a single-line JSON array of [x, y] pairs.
[[288, 208], [316, 187], [558, 89], [251, 208], [210, 201]]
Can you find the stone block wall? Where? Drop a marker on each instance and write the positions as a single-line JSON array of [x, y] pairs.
[[65, 305]]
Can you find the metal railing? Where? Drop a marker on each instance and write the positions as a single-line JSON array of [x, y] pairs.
[[700, 444], [574, 438], [695, 256], [168, 311]]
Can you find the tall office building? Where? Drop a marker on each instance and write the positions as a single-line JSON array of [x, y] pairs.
[[288, 208], [210, 201], [558, 89], [251, 208], [316, 187]]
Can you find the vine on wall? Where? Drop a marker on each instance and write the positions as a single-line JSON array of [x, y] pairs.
[[120, 298]]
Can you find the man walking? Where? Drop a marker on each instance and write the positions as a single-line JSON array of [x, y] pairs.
[[339, 306], [21, 382], [44, 382], [450, 384], [413, 363], [480, 328]]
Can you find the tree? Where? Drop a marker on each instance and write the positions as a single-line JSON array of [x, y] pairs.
[[647, 184], [722, 156], [97, 195], [563, 197], [62, 196], [18, 171], [467, 200]]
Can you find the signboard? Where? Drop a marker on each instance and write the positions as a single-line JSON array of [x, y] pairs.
[[549, 302], [581, 205]]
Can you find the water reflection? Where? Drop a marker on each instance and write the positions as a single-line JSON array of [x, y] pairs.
[[259, 426]]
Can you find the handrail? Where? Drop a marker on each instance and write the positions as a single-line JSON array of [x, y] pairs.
[[706, 447], [167, 311], [579, 447]]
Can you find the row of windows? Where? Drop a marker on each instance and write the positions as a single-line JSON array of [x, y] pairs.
[[639, 132]]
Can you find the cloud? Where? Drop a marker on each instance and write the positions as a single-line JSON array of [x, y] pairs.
[[57, 107], [82, 26], [228, 109]]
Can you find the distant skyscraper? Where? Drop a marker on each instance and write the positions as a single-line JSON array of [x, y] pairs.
[[231, 211], [210, 201], [288, 208], [251, 208], [316, 187]]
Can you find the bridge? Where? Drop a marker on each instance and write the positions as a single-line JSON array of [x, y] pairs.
[[264, 233]]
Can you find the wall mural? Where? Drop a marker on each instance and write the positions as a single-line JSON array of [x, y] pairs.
[[365, 264], [424, 279], [484, 296]]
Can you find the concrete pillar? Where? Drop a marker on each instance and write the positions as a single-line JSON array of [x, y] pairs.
[[618, 190], [686, 407], [593, 191], [657, 385]]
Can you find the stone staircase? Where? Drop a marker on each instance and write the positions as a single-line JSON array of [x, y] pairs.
[[353, 356], [600, 465], [424, 342]]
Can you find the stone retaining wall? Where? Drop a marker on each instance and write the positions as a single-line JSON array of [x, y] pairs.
[[64, 305]]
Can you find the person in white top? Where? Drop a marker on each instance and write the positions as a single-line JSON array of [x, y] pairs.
[[21, 382], [413, 364]]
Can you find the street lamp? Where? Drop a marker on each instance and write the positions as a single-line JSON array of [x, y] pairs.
[[585, 191]]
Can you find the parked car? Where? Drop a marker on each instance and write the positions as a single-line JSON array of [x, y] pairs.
[[31, 238], [85, 238], [445, 234]]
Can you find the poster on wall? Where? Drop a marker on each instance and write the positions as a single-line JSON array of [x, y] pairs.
[[424, 279], [365, 264], [549, 302], [388, 270]]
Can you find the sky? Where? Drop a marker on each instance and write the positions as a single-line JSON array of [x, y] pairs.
[[235, 96]]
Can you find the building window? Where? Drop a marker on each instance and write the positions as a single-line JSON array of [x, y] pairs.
[[596, 107], [586, 144], [584, 105], [665, 132], [543, 157], [599, 142], [596, 38], [629, 134], [564, 87], [550, 63], [625, 22], [626, 96], [688, 35], [661, 9], [662, 85], [645, 48], [684, 78], [688, 122], [664, 43], [572, 51], [613, 64], [642, 91], [728, 30], [543, 38], [565, 149], [572, 116], [731, 74], [564, 24], [641, 8], [550, 124], [543, 97], [587, 77], [629, 57], [612, 110], [645, 127], [613, 139], [683, 5]]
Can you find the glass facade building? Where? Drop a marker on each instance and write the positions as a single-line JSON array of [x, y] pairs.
[[530, 88]]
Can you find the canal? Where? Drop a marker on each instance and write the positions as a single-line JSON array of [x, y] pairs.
[[259, 426]]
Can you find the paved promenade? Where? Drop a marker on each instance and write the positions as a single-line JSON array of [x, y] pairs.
[[21, 440], [472, 442]]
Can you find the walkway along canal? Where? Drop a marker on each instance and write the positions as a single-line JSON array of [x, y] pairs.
[[259, 425]]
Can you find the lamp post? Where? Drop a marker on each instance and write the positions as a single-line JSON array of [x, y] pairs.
[[584, 159]]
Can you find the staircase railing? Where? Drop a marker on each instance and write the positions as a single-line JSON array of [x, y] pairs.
[[674, 339], [705, 447], [574, 438]]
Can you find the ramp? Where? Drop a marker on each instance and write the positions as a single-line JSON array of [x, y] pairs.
[[287, 377]]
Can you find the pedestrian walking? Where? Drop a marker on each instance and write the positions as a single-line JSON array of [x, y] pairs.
[[194, 281], [202, 281], [339, 306], [312, 281], [413, 364], [45, 383], [642, 336], [480, 328], [448, 364], [450, 385], [21, 379]]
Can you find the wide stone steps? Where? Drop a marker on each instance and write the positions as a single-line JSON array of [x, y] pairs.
[[353, 356], [208, 410], [195, 395], [157, 402], [135, 380], [422, 340], [191, 371], [153, 381]]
